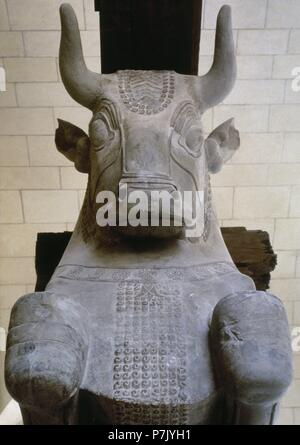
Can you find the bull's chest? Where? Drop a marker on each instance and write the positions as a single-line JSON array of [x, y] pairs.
[[149, 358]]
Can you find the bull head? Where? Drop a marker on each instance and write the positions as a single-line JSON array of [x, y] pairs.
[[146, 129]]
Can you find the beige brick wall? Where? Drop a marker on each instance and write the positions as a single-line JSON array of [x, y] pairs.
[[260, 188]]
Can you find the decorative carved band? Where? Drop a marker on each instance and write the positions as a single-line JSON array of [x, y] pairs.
[[192, 273]]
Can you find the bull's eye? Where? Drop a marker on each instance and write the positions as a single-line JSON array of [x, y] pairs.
[[101, 134], [194, 139]]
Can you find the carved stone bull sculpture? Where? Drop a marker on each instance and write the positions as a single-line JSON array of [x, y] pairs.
[[144, 325]]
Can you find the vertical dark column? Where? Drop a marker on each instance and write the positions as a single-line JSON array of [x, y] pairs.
[[150, 34]]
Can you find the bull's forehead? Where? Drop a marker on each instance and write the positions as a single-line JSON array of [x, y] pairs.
[[147, 94]]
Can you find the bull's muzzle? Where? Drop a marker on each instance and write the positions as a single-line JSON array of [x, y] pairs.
[[149, 206]]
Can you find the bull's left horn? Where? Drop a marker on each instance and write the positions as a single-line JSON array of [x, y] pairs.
[[81, 83], [218, 82]]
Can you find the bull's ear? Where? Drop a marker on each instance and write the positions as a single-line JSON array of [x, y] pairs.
[[73, 143], [221, 145]]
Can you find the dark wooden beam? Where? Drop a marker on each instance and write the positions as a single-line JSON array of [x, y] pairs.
[[150, 34]]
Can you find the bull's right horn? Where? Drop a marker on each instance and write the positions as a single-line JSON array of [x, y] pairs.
[[81, 83], [218, 82]]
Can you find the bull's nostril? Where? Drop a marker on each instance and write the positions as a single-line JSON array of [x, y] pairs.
[[176, 195]]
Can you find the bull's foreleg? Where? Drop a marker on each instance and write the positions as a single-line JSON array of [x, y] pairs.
[[46, 353], [251, 347]]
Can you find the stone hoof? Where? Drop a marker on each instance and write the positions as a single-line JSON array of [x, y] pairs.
[[45, 375], [46, 350], [251, 346]]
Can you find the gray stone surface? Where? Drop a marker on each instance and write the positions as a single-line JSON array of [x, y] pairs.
[[123, 332]]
